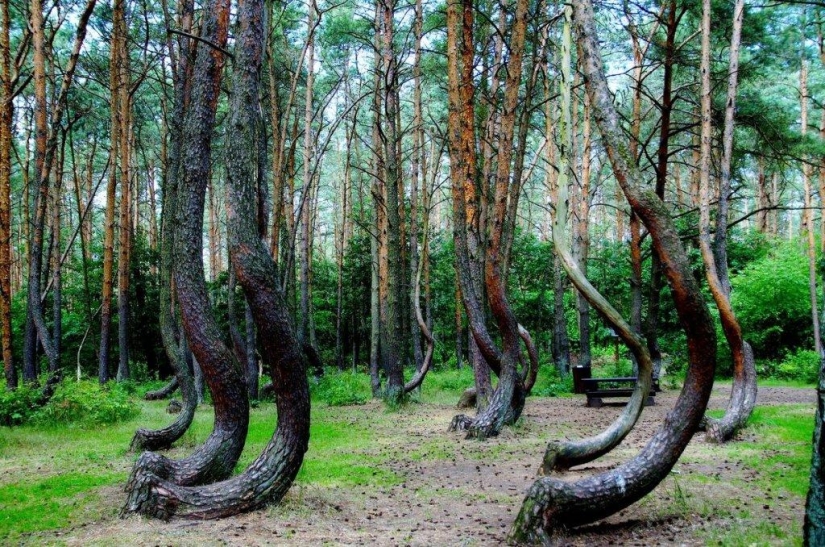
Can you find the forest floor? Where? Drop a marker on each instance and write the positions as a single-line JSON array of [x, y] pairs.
[[379, 477]]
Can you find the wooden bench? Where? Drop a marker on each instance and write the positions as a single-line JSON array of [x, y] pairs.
[[597, 389]]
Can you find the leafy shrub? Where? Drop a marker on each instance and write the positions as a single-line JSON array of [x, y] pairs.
[[772, 301], [341, 388], [549, 383], [87, 403], [16, 407], [801, 366], [453, 380]]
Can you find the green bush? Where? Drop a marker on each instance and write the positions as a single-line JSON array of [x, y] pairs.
[[341, 388], [772, 301], [549, 384], [16, 407], [450, 380], [801, 366], [87, 403]]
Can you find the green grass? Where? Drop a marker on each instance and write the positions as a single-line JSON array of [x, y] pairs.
[[56, 477]]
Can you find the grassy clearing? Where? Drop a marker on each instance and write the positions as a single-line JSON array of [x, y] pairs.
[[61, 477]]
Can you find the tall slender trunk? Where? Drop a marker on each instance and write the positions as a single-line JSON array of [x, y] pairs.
[[377, 301], [762, 197], [115, 60], [582, 234], [743, 392], [561, 343], [808, 215], [6, 128], [415, 175], [392, 168], [123, 162], [662, 156], [306, 205], [56, 258]]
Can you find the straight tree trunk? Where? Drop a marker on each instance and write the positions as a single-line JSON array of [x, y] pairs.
[[808, 215], [663, 155], [6, 128], [416, 167], [57, 262], [561, 342], [46, 148], [393, 363], [378, 301], [122, 161], [115, 60], [582, 235], [306, 205]]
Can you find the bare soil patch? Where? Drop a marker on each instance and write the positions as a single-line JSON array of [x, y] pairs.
[[454, 491]]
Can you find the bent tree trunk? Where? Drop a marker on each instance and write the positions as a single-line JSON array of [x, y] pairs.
[[427, 360], [552, 503], [173, 340], [508, 400], [565, 454], [164, 392], [743, 392], [268, 478], [215, 459]]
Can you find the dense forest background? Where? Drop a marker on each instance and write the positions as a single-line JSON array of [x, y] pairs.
[[324, 198]]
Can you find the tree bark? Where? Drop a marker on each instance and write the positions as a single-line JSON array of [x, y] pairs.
[[166, 391], [268, 478], [306, 205], [174, 341], [6, 128], [115, 60], [551, 503], [561, 455], [581, 243], [391, 341], [508, 399], [743, 392], [662, 156], [215, 459], [45, 151], [808, 214], [814, 527], [121, 160]]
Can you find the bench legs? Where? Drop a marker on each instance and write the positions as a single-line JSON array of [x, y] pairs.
[[595, 402]]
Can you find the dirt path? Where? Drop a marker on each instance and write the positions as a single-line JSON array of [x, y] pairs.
[[460, 492]]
